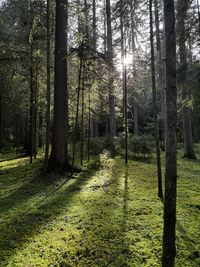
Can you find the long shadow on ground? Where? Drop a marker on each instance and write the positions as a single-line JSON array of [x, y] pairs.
[[27, 223]]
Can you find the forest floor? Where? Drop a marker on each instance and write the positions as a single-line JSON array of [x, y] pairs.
[[108, 215]]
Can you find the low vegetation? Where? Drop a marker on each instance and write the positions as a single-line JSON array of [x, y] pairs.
[[108, 215]]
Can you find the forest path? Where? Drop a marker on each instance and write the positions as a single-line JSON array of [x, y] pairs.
[[109, 215]]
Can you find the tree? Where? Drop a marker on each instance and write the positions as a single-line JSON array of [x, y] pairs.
[[182, 7], [59, 154], [48, 93], [160, 68], [154, 93], [112, 123], [169, 230]]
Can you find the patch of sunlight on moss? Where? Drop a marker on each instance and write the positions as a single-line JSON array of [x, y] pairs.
[[109, 215]]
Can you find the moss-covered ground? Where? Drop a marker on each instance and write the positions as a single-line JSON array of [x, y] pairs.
[[108, 215]]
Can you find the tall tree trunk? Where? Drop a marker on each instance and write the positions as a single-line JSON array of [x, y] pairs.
[[36, 91], [125, 113], [104, 28], [160, 67], [154, 93], [59, 154], [1, 106], [82, 117], [182, 7], [89, 126], [122, 49], [169, 230], [112, 122], [77, 113], [31, 122], [48, 92], [135, 104], [94, 25]]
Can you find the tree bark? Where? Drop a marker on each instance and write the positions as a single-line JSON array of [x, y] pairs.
[[161, 74], [182, 7], [154, 94], [94, 25], [1, 106], [169, 229], [135, 104], [59, 154], [89, 126], [112, 123], [77, 113], [82, 116], [31, 120], [48, 92]]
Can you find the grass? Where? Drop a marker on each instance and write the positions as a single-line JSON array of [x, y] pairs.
[[109, 215]]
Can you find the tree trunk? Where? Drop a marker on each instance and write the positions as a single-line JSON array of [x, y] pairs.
[[48, 92], [161, 73], [112, 122], [135, 104], [135, 113], [125, 114], [36, 91], [31, 122], [154, 94], [77, 113], [169, 230], [182, 7], [82, 118], [1, 102], [59, 154], [89, 126], [94, 25]]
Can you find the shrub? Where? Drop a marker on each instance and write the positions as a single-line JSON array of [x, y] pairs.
[[141, 145]]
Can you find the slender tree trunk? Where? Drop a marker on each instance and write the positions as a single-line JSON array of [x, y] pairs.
[[36, 91], [182, 7], [77, 113], [135, 104], [89, 126], [112, 122], [125, 113], [82, 118], [1, 106], [135, 113], [161, 73], [122, 51], [169, 230], [94, 25], [59, 154], [104, 28], [48, 92], [31, 123], [154, 93]]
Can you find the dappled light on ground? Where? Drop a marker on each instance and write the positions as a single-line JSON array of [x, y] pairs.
[[109, 215]]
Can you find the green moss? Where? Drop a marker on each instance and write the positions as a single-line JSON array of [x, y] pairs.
[[109, 215]]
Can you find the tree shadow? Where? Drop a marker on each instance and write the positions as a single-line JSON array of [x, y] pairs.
[[106, 224], [26, 224], [29, 188]]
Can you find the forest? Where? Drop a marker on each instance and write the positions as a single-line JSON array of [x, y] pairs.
[[99, 133]]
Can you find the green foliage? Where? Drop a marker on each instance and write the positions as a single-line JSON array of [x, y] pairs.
[[97, 145], [142, 145]]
